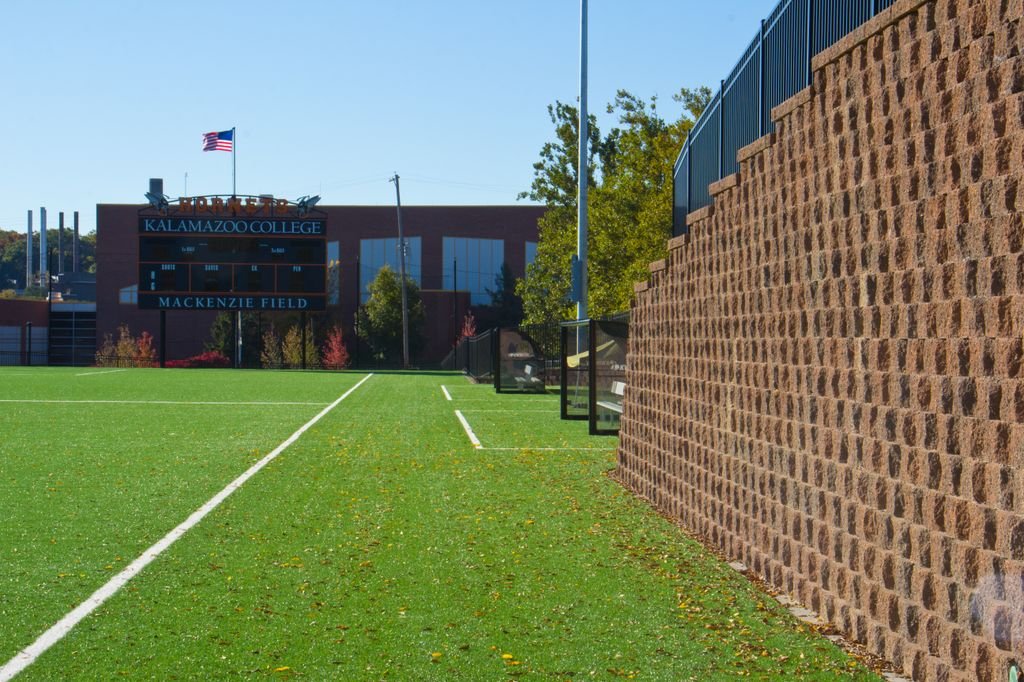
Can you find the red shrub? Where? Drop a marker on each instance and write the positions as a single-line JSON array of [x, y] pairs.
[[211, 358], [335, 355], [145, 355]]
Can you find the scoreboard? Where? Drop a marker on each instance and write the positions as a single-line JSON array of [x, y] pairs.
[[232, 263]]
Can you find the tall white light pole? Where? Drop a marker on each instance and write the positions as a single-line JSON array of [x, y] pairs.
[[581, 209]]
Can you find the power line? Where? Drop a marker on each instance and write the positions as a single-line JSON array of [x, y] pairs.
[[460, 183]]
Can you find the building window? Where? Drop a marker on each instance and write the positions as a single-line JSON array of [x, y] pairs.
[[129, 295], [531, 252], [376, 253], [473, 265], [333, 273]]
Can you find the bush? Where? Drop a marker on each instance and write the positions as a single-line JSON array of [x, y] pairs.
[[271, 356], [35, 292], [335, 354], [145, 354], [127, 351], [210, 358], [291, 348], [468, 327]]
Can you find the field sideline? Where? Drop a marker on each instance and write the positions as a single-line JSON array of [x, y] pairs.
[[380, 543]]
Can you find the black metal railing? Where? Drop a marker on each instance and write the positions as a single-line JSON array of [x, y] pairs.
[[473, 355], [774, 67], [10, 358]]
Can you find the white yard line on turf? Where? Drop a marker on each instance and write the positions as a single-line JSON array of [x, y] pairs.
[[29, 654], [446, 393], [469, 431], [106, 371], [480, 409], [506, 397], [152, 402]]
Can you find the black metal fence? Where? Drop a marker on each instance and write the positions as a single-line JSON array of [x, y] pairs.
[[10, 358], [478, 356], [774, 67], [473, 355], [72, 338]]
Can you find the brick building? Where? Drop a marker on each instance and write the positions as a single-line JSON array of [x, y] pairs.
[[455, 254]]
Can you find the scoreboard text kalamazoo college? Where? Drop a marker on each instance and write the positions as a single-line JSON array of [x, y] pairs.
[[232, 263]]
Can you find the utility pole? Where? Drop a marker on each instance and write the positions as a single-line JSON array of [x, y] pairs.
[[581, 209], [401, 277]]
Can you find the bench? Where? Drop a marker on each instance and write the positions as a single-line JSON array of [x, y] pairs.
[[618, 389], [529, 378]]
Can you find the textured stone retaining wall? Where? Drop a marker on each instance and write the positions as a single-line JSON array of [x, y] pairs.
[[825, 376]]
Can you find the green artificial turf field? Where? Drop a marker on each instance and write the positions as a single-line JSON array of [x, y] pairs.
[[380, 545]]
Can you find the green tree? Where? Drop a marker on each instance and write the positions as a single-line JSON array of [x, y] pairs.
[[222, 336], [629, 210], [12, 254], [545, 289], [507, 305], [380, 320], [86, 252], [632, 208], [12, 259]]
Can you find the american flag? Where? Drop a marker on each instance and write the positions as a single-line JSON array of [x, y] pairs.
[[218, 142]]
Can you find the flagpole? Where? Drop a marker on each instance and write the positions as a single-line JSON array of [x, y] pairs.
[[238, 313]]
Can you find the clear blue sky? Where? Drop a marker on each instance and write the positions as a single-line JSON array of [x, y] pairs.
[[328, 97]]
